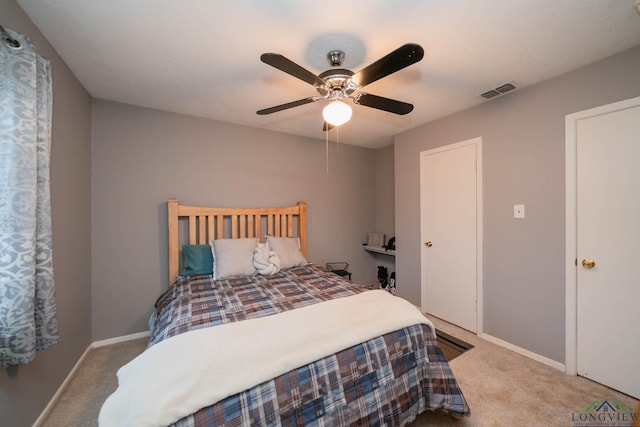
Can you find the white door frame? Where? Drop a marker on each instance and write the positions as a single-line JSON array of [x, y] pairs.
[[571, 251], [477, 142]]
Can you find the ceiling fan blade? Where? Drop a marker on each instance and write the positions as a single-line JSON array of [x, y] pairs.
[[287, 105], [381, 103], [327, 127], [281, 63], [397, 60]]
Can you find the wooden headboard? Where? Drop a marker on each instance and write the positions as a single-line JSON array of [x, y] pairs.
[[205, 224]]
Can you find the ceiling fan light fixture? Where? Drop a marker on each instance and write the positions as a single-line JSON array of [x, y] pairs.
[[336, 113]]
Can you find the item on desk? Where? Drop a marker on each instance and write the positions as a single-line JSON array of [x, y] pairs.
[[391, 244], [376, 239], [383, 277], [392, 283]]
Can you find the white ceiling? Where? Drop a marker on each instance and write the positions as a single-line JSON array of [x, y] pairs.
[[201, 57]]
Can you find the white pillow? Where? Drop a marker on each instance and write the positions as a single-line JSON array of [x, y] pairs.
[[233, 257], [288, 250]]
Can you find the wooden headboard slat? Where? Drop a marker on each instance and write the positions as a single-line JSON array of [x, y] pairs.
[[202, 230], [206, 224], [234, 227], [243, 225], [250, 230], [220, 230], [211, 224], [192, 230], [290, 225]]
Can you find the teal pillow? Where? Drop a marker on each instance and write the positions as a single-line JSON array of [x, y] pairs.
[[198, 259]]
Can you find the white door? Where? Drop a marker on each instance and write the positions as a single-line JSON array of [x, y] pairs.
[[449, 216], [608, 249]]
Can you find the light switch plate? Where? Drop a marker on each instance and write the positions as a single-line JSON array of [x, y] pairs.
[[518, 211]]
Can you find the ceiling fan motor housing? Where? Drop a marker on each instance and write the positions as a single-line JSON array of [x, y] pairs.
[[338, 79]]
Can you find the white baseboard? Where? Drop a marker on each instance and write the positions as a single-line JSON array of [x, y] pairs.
[[47, 410], [549, 362], [531, 355], [116, 340]]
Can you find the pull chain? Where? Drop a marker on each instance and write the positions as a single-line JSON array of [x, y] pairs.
[[326, 135], [338, 146]]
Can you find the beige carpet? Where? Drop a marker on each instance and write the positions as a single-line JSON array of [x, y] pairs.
[[502, 388], [79, 405]]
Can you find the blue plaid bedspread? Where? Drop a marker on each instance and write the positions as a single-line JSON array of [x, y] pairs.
[[388, 380]]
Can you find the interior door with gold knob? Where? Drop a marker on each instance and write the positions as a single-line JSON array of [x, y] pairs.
[[608, 229], [449, 185]]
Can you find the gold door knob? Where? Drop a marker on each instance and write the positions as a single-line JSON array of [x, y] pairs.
[[588, 263], [428, 244]]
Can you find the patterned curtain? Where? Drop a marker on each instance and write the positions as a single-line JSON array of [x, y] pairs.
[[27, 307]]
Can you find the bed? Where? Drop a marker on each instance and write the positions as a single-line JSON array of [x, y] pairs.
[[296, 345]]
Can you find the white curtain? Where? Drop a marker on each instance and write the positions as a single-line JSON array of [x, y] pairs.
[[27, 307]]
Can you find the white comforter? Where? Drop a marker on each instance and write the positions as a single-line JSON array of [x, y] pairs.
[[178, 376]]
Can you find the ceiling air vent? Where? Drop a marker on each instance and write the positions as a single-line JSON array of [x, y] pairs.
[[505, 88], [498, 91], [490, 94]]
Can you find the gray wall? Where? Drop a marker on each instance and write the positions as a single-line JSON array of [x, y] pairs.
[[385, 190], [385, 205], [523, 162], [142, 156], [25, 390]]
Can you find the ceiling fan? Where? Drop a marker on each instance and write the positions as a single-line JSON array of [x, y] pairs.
[[337, 83]]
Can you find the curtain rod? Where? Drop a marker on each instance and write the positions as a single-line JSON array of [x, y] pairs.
[[10, 41]]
